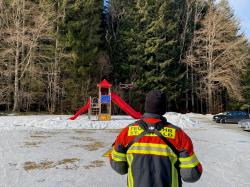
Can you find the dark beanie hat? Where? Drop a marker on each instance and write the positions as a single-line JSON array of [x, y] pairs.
[[155, 102]]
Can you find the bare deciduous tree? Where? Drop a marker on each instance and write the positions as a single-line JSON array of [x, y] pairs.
[[23, 24], [219, 54]]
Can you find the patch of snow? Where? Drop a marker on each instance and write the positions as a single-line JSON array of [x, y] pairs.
[[181, 120], [82, 122]]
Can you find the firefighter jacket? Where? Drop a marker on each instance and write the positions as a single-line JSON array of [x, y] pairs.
[[149, 161]]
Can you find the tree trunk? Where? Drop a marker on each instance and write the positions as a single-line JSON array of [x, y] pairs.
[[56, 65], [187, 78], [201, 106], [210, 98], [192, 90], [55, 75], [16, 82]]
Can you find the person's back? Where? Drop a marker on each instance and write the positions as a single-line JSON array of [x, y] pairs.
[[154, 152]]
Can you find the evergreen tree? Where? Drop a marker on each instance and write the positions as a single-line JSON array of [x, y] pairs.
[[146, 43], [80, 34], [246, 93]]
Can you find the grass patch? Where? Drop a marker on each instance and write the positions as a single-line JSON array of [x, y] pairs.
[[94, 146], [42, 165], [39, 136], [83, 138], [32, 144], [95, 164], [68, 163], [45, 133], [84, 132]]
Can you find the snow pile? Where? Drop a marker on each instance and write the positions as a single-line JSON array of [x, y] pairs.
[[182, 120], [61, 122], [82, 122]]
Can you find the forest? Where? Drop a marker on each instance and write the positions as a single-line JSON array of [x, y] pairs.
[[53, 53]]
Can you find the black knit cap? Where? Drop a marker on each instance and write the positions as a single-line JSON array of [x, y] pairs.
[[155, 102]]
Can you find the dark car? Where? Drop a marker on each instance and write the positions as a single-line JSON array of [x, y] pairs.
[[231, 117], [218, 116]]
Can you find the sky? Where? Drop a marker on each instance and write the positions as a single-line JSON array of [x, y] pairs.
[[242, 12]]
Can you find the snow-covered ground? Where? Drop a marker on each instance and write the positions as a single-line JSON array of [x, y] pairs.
[[51, 151]]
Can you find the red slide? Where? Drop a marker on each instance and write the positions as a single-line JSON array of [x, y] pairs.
[[124, 106], [83, 109]]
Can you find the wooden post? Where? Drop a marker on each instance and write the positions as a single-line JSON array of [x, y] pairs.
[[110, 101], [99, 104], [90, 108]]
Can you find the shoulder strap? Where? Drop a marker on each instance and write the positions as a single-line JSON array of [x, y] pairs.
[[152, 129], [137, 138], [167, 142]]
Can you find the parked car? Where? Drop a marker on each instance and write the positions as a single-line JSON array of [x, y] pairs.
[[218, 116], [244, 124], [231, 117]]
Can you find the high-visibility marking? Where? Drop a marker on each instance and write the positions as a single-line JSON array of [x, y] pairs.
[[118, 157], [150, 145], [189, 162], [130, 174], [151, 148], [192, 165], [175, 177], [134, 130], [119, 154], [151, 152], [107, 153], [188, 159], [166, 132]]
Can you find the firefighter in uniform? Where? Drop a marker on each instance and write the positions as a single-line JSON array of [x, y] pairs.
[[153, 152]]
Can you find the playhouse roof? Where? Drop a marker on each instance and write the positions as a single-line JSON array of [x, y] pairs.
[[104, 84]]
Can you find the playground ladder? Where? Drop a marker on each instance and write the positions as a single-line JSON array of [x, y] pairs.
[[93, 111]]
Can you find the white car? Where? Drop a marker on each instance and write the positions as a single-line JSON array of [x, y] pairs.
[[245, 124]]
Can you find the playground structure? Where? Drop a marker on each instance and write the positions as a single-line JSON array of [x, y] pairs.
[[100, 108]]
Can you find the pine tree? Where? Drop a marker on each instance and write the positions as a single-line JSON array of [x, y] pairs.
[[80, 35], [246, 89]]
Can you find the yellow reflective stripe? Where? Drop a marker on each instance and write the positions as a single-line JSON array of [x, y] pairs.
[[192, 165], [175, 178], [130, 174], [151, 148], [118, 157], [118, 154], [187, 159], [189, 162], [151, 152], [150, 145]]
